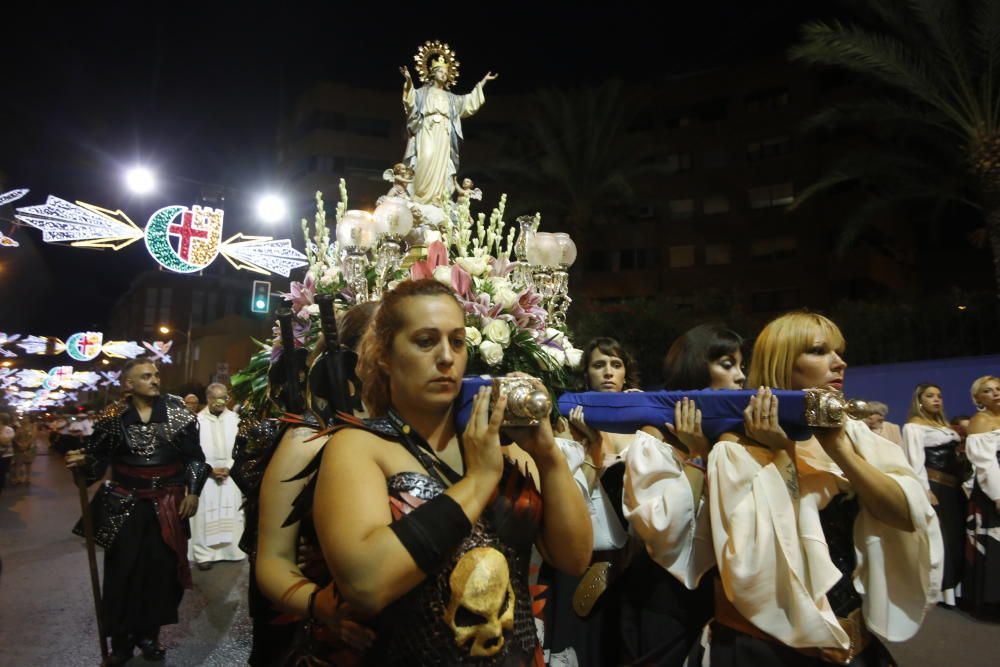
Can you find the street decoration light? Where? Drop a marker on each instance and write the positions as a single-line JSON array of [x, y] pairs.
[[140, 180], [180, 238], [271, 209]]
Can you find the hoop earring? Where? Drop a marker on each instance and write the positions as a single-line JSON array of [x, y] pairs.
[[980, 407]]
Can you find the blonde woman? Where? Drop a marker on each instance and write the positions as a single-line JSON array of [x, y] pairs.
[[981, 585], [931, 447], [801, 532]]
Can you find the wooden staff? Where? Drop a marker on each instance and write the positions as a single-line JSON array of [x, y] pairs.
[[88, 532]]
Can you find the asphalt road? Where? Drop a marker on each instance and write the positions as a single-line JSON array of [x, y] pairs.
[[47, 613], [46, 607]]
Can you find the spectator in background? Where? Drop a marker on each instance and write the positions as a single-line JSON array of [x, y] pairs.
[[192, 403], [218, 525], [879, 425], [6, 447], [24, 452], [931, 447]]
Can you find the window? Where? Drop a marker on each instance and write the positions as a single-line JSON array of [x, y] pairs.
[[779, 247], [212, 310], [325, 164], [768, 148], [781, 194], [197, 308], [772, 98], [681, 256], [368, 127], [634, 258], [717, 254], [715, 204], [678, 163], [680, 209], [166, 295], [712, 111], [599, 260], [774, 300], [715, 157], [679, 119], [150, 315]]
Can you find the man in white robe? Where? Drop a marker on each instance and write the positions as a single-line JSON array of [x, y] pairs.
[[217, 527]]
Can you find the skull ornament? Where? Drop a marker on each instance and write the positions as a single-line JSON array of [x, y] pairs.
[[482, 601]]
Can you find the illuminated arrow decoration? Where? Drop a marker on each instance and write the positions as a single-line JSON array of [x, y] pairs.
[[179, 238], [6, 340], [31, 378], [80, 224], [40, 345], [8, 242], [122, 349], [12, 196], [262, 254], [110, 378]]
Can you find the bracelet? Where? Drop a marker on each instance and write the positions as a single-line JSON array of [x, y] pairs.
[[311, 609]]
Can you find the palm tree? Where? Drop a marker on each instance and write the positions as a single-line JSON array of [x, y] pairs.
[[577, 157], [933, 118]]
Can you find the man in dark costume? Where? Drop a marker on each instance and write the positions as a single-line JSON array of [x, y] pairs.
[[140, 515]]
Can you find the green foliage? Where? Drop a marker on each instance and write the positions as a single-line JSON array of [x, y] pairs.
[[932, 68]]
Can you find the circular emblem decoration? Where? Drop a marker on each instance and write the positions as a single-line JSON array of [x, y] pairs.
[[184, 240], [84, 346]]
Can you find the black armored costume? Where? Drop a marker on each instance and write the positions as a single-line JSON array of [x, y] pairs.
[[153, 465]]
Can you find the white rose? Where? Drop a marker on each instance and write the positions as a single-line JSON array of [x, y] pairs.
[[472, 336], [557, 355], [499, 282], [442, 274], [476, 266], [312, 309], [506, 297], [498, 331], [491, 352], [430, 236], [331, 276], [574, 356]]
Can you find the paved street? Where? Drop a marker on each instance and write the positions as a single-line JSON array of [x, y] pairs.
[[46, 608], [46, 612]]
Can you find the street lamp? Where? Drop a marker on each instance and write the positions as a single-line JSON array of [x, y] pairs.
[[164, 329], [140, 180], [7, 364], [271, 208]]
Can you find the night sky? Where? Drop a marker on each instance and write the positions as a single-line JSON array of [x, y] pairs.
[[197, 91]]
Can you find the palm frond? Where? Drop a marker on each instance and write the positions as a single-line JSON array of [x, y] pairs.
[[882, 58], [985, 41], [901, 115], [941, 21]]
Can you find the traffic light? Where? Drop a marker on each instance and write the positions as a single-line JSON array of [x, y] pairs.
[[260, 302]]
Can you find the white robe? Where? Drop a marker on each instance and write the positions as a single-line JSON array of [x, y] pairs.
[[772, 555], [218, 526]]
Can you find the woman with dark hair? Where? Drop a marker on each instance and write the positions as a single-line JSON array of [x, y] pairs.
[[821, 545], [707, 356], [931, 447], [661, 618], [426, 532], [581, 614]]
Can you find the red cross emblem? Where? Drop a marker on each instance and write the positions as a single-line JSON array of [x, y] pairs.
[[186, 231]]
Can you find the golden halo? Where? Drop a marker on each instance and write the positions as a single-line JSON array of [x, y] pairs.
[[432, 54]]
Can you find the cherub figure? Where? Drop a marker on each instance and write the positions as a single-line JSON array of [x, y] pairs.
[[400, 176], [466, 191]]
